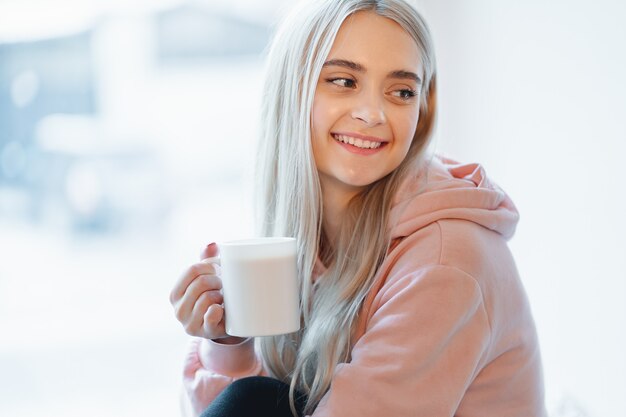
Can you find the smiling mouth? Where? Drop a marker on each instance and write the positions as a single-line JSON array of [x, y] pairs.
[[357, 142]]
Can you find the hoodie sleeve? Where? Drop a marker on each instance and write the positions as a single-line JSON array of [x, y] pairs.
[[426, 334], [210, 367]]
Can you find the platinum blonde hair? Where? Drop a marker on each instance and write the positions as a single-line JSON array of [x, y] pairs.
[[290, 199]]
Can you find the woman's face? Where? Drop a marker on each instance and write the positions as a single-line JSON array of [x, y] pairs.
[[366, 104]]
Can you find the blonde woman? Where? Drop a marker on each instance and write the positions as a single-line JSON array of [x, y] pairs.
[[412, 305]]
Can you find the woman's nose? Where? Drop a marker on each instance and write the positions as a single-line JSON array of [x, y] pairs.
[[369, 108]]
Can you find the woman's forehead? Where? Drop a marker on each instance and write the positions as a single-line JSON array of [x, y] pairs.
[[373, 40]]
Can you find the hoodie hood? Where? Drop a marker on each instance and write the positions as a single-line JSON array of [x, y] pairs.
[[445, 189]]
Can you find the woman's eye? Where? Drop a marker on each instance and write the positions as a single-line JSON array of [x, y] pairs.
[[404, 94], [343, 82]]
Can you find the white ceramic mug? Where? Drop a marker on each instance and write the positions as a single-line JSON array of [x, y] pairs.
[[260, 285]]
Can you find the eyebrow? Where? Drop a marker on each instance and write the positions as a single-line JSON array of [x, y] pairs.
[[398, 74]]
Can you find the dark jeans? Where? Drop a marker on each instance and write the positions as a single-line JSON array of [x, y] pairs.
[[256, 396]]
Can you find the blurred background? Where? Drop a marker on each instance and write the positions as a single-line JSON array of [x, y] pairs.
[[127, 133]]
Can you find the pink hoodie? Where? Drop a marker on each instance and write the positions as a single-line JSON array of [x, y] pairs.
[[447, 329]]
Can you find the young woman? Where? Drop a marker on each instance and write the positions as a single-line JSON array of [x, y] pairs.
[[412, 305]]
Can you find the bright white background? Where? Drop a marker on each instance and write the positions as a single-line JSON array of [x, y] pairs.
[[533, 90]]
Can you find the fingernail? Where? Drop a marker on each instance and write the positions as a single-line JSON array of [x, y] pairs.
[[211, 245]]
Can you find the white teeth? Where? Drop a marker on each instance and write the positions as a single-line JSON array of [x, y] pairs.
[[359, 143]]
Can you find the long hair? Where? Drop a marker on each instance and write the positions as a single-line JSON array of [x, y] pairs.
[[290, 199]]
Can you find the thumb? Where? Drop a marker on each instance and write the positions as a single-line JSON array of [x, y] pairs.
[[210, 251]]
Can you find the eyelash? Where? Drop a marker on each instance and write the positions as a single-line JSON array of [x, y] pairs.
[[404, 94], [345, 80]]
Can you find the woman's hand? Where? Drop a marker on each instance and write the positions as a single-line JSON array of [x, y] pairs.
[[197, 299]]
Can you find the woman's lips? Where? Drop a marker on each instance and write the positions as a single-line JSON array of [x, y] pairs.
[[359, 144]]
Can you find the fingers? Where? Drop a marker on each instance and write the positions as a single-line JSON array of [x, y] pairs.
[[195, 325], [202, 283], [210, 251], [213, 316], [214, 322], [193, 272], [198, 288], [197, 297]]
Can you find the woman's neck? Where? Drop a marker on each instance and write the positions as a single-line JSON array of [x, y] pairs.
[[335, 203], [332, 222]]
